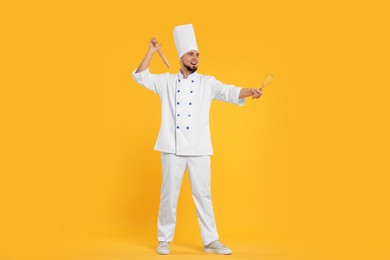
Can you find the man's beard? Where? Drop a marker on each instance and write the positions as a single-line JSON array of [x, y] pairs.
[[193, 68]]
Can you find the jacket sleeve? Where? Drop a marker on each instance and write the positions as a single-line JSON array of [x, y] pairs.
[[226, 93], [153, 82]]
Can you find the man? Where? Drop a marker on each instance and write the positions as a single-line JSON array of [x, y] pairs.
[[184, 137]]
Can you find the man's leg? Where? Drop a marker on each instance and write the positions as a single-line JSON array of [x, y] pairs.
[[200, 178], [173, 168]]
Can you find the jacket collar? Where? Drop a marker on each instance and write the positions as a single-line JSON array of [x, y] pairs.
[[191, 76]]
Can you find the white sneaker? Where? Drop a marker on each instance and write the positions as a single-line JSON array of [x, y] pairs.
[[163, 248], [218, 248]]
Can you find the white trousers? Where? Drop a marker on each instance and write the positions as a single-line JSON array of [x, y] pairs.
[[173, 168]]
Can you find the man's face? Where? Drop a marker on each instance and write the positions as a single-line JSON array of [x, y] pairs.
[[190, 60]]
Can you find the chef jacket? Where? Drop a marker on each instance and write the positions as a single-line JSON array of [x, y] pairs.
[[185, 107]]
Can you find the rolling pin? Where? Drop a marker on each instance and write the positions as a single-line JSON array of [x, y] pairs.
[[164, 59]]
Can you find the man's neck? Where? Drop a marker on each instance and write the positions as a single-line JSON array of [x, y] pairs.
[[185, 73]]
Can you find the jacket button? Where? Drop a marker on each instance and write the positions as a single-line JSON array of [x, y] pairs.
[[177, 127], [178, 114], [192, 81], [189, 115], [178, 90], [179, 80], [178, 103], [188, 127], [190, 103], [191, 91]]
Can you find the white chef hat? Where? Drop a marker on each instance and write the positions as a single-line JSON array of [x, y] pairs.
[[185, 39]]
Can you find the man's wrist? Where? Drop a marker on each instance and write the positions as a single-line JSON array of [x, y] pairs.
[[249, 92], [151, 52]]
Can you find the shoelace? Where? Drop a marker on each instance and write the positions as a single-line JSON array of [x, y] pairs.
[[218, 243]]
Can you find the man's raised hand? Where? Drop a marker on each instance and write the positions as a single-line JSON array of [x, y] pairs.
[[154, 45]]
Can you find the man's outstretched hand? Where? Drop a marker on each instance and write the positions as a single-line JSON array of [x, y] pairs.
[[247, 92], [256, 93]]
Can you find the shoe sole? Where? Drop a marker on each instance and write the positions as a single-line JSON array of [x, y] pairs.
[[163, 251], [216, 251]]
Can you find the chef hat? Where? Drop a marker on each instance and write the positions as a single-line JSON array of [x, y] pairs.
[[185, 40]]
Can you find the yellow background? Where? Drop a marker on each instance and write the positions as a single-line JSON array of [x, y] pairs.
[[301, 173]]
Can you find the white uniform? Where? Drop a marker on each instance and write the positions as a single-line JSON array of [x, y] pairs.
[[184, 142]]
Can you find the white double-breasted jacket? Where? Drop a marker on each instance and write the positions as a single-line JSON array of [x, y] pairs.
[[185, 108]]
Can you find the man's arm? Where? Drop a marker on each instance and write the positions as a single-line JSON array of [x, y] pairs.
[[247, 92], [153, 47], [142, 75], [231, 93]]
